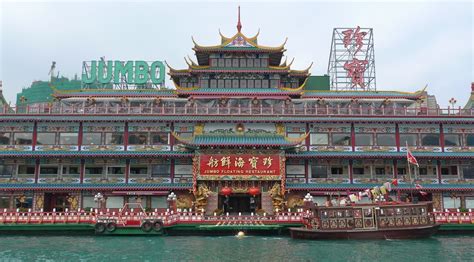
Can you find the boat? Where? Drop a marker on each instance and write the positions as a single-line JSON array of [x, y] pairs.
[[388, 220]]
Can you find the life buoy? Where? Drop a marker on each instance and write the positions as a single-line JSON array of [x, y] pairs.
[[147, 226], [99, 228], [111, 226], [158, 226]]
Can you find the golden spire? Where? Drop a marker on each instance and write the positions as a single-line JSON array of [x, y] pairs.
[[239, 25]]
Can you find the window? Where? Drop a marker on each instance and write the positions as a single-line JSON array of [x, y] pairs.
[[410, 139], [364, 139], [93, 170], [159, 138], [4, 202], [114, 138], [358, 170], [468, 172], [430, 139], [401, 171], [26, 169], [451, 140], [449, 171], [115, 170], [470, 140], [4, 138], [341, 140], [469, 202], [92, 139], [386, 140], [88, 202], [114, 202], [336, 170], [71, 170], [46, 139], [23, 138], [138, 170], [380, 171], [68, 138], [159, 202], [49, 170], [319, 139], [160, 170], [319, 171], [426, 171], [6, 170], [137, 138], [451, 202]]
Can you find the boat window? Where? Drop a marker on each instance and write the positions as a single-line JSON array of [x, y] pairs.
[[414, 211], [382, 213], [348, 213], [422, 211], [331, 214], [399, 211], [367, 212], [324, 214], [340, 214], [390, 212], [357, 213], [406, 211]]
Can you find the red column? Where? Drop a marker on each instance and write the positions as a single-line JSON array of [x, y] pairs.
[[172, 163], [351, 178], [79, 137], [395, 169], [397, 137], [127, 170], [308, 139], [125, 136], [438, 170], [441, 137], [171, 143], [353, 137], [81, 176], [35, 135], [306, 173], [37, 166]]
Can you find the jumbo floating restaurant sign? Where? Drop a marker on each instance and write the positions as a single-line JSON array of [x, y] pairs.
[[215, 166], [123, 73]]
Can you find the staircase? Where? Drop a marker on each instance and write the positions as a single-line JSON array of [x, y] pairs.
[[267, 203], [212, 202]]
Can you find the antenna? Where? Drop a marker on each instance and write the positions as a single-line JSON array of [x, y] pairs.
[[239, 25], [51, 70]]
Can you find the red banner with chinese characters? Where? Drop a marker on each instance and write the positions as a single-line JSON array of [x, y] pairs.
[[239, 165]]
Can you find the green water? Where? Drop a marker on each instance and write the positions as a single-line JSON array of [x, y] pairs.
[[252, 248]]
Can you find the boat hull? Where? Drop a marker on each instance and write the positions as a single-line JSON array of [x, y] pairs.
[[396, 233]]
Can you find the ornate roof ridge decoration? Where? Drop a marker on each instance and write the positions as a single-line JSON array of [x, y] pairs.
[[418, 93], [297, 140], [299, 89], [304, 71], [251, 41], [284, 65], [193, 65]]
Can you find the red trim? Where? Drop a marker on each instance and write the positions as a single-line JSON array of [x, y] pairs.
[[37, 166], [438, 167], [353, 137], [83, 164], [395, 169], [441, 137], [79, 138], [35, 135], [172, 163], [397, 137], [127, 170], [125, 136], [351, 175], [306, 173]]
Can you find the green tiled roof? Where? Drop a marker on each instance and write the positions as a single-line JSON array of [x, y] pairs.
[[255, 91], [381, 154], [258, 140], [118, 186], [117, 92], [94, 153], [315, 186], [350, 94]]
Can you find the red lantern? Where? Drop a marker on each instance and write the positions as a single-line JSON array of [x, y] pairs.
[[253, 191], [226, 191]]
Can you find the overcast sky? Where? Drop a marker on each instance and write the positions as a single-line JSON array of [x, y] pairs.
[[416, 44]]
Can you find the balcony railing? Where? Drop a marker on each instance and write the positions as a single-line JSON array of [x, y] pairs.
[[290, 110]]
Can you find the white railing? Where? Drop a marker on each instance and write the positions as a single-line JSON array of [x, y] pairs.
[[292, 110]]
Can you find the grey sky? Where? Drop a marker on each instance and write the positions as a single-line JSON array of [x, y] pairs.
[[415, 43]]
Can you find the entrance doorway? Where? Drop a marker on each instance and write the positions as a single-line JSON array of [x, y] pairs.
[[243, 203], [56, 201]]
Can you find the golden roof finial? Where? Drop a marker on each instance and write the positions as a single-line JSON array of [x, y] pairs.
[[239, 25]]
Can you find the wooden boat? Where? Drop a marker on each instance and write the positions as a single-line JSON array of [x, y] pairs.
[[391, 220]]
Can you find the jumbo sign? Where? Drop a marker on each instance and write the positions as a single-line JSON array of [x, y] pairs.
[[239, 165], [119, 72]]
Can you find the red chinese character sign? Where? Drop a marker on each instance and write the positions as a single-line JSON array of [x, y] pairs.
[[239, 166], [352, 61]]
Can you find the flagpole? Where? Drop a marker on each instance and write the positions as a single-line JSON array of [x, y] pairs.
[[409, 174]]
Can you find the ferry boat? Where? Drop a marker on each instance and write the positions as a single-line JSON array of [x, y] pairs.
[[392, 220]]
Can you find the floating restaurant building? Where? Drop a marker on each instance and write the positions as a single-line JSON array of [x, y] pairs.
[[241, 131]]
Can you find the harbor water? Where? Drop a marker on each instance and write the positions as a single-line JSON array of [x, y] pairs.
[[229, 248]]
